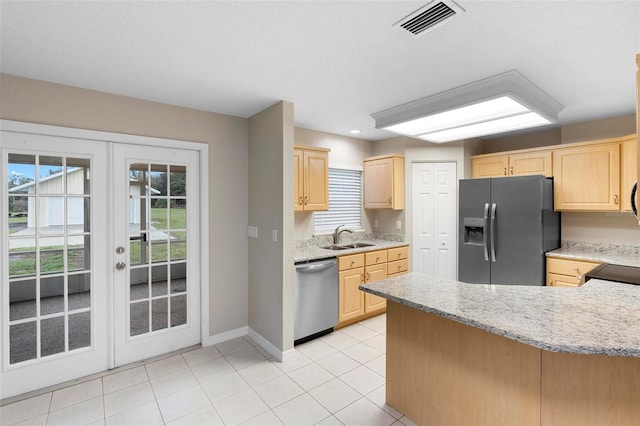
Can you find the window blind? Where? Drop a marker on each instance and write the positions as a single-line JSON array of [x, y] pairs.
[[345, 202]]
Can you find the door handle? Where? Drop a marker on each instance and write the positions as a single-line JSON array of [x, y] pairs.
[[484, 234], [120, 266], [493, 232]]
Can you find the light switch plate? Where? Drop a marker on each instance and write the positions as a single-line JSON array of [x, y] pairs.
[[398, 224], [375, 223], [253, 231], [274, 235]]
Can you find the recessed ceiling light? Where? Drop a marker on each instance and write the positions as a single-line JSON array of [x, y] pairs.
[[354, 131], [498, 104]]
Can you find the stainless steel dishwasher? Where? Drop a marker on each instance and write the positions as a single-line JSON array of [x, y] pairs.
[[315, 296]]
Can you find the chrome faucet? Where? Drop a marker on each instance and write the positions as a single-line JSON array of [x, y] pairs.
[[337, 232]]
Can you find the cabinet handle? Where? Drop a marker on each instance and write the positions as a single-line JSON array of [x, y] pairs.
[[368, 276], [353, 262], [505, 171], [300, 201], [389, 200], [615, 199], [511, 169], [377, 258], [398, 255], [398, 267], [361, 278], [306, 200]]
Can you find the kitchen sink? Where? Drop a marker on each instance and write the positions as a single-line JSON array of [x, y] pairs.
[[357, 245], [346, 246]]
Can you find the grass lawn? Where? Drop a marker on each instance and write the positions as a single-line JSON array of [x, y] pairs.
[[177, 220]]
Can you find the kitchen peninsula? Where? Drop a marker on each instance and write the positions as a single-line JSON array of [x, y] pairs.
[[461, 353]]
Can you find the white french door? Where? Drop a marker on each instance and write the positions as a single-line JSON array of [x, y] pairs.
[[55, 278], [434, 219], [156, 239], [100, 256]]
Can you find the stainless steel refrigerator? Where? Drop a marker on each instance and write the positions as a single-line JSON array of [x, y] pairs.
[[505, 227]]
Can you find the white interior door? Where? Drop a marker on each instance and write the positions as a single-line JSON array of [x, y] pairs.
[[55, 279], [156, 261], [434, 219]]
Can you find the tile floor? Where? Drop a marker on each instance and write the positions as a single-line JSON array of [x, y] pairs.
[[336, 379]]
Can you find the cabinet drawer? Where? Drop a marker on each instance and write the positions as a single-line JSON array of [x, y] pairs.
[[375, 257], [557, 280], [573, 268], [398, 253], [351, 261], [398, 266]]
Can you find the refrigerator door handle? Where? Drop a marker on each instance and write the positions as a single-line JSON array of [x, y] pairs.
[[493, 232], [485, 242]]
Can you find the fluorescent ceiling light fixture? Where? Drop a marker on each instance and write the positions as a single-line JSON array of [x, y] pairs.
[[499, 104], [354, 131]]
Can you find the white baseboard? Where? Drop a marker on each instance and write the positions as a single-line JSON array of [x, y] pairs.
[[269, 347], [247, 331], [227, 335]]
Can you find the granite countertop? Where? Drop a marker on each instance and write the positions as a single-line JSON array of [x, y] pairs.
[[316, 253], [601, 317], [597, 255]]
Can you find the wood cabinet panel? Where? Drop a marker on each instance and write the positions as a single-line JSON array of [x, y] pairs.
[[629, 169], [567, 272], [531, 163], [372, 266], [398, 266], [493, 166], [587, 177], [398, 253], [375, 257], [384, 182], [351, 302], [310, 178], [350, 261]]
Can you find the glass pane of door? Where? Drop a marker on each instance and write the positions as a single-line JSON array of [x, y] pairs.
[[48, 241], [157, 244]]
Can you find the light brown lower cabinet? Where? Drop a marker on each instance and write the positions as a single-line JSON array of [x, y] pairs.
[[567, 272], [356, 269]]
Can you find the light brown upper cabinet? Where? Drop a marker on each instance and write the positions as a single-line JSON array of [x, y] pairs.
[[587, 177], [384, 182], [629, 169], [516, 164], [310, 178]]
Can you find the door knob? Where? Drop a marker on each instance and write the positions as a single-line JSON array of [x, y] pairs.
[[120, 266]]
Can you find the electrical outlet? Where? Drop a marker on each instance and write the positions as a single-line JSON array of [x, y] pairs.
[[253, 231], [375, 223], [398, 224]]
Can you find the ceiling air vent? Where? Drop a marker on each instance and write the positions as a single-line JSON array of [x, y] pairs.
[[429, 16]]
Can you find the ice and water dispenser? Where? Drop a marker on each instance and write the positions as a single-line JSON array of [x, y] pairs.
[[474, 230]]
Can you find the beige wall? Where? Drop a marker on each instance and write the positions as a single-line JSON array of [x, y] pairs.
[[599, 129], [270, 192], [525, 141], [35, 101]]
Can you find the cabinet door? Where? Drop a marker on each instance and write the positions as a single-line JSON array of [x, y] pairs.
[[378, 183], [587, 178], [556, 280], [629, 170], [351, 300], [493, 166], [316, 178], [371, 301], [298, 180], [530, 163]]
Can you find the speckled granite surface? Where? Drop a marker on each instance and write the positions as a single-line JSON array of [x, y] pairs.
[[601, 317], [311, 248], [617, 254]]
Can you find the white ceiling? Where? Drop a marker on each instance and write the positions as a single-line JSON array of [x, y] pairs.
[[338, 62]]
